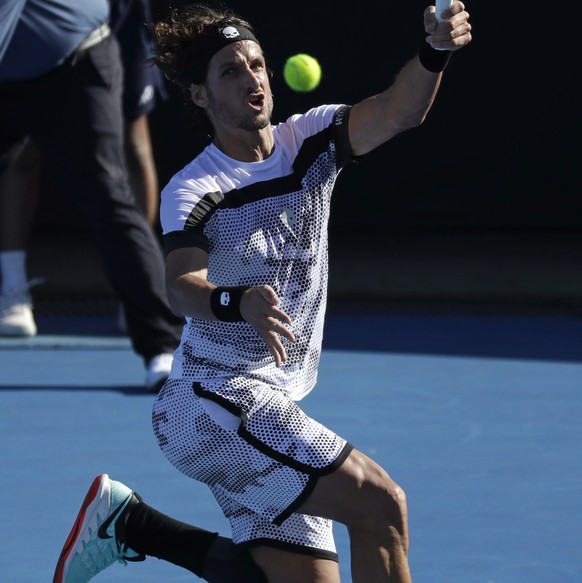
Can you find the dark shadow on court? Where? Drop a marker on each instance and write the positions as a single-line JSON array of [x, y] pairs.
[[128, 390], [501, 335], [553, 338]]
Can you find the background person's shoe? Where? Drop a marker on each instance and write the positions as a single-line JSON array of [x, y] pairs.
[[16, 317], [157, 372]]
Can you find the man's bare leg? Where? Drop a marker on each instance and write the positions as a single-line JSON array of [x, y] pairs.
[[361, 495]]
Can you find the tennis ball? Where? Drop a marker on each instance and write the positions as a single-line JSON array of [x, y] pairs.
[[302, 72]]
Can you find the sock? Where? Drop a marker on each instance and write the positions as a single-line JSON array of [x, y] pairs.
[[225, 564], [13, 270], [204, 553], [152, 533]]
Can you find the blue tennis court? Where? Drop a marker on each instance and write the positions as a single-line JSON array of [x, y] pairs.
[[476, 416]]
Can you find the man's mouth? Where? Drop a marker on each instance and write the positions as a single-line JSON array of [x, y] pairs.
[[257, 102]]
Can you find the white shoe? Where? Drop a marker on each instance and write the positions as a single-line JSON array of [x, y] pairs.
[[16, 317], [157, 372]]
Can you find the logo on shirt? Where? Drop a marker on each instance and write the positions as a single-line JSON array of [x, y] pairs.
[[147, 95], [288, 217]]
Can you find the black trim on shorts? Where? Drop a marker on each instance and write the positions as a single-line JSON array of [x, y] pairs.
[[289, 461], [220, 400], [339, 460], [300, 549], [261, 446], [281, 518], [313, 473]]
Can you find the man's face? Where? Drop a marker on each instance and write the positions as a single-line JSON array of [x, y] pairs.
[[238, 90]]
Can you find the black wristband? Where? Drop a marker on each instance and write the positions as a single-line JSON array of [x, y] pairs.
[[225, 303], [433, 60]]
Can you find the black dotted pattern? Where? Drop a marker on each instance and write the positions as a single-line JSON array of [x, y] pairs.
[[256, 471], [264, 223], [228, 416]]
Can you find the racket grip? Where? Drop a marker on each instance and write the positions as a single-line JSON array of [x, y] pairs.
[[440, 5]]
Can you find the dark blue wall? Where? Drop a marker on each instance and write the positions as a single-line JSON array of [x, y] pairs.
[[500, 149], [501, 146]]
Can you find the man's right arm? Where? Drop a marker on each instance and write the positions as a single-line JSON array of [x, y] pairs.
[[189, 293], [187, 285]]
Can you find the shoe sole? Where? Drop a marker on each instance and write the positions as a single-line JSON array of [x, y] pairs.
[[17, 331], [96, 501]]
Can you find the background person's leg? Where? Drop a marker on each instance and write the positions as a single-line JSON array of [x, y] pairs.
[[142, 171], [83, 142], [20, 165], [19, 178]]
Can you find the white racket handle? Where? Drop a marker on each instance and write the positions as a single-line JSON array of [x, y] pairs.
[[440, 5]]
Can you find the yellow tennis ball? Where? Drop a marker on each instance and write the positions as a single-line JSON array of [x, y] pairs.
[[302, 72]]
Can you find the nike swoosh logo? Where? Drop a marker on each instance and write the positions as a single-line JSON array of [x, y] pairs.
[[102, 531]]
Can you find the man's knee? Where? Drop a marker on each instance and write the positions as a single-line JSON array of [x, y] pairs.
[[382, 501], [361, 495], [387, 505]]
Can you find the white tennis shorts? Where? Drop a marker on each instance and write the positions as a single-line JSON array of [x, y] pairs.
[[259, 453]]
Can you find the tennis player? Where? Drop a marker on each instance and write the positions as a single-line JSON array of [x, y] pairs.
[[245, 230]]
